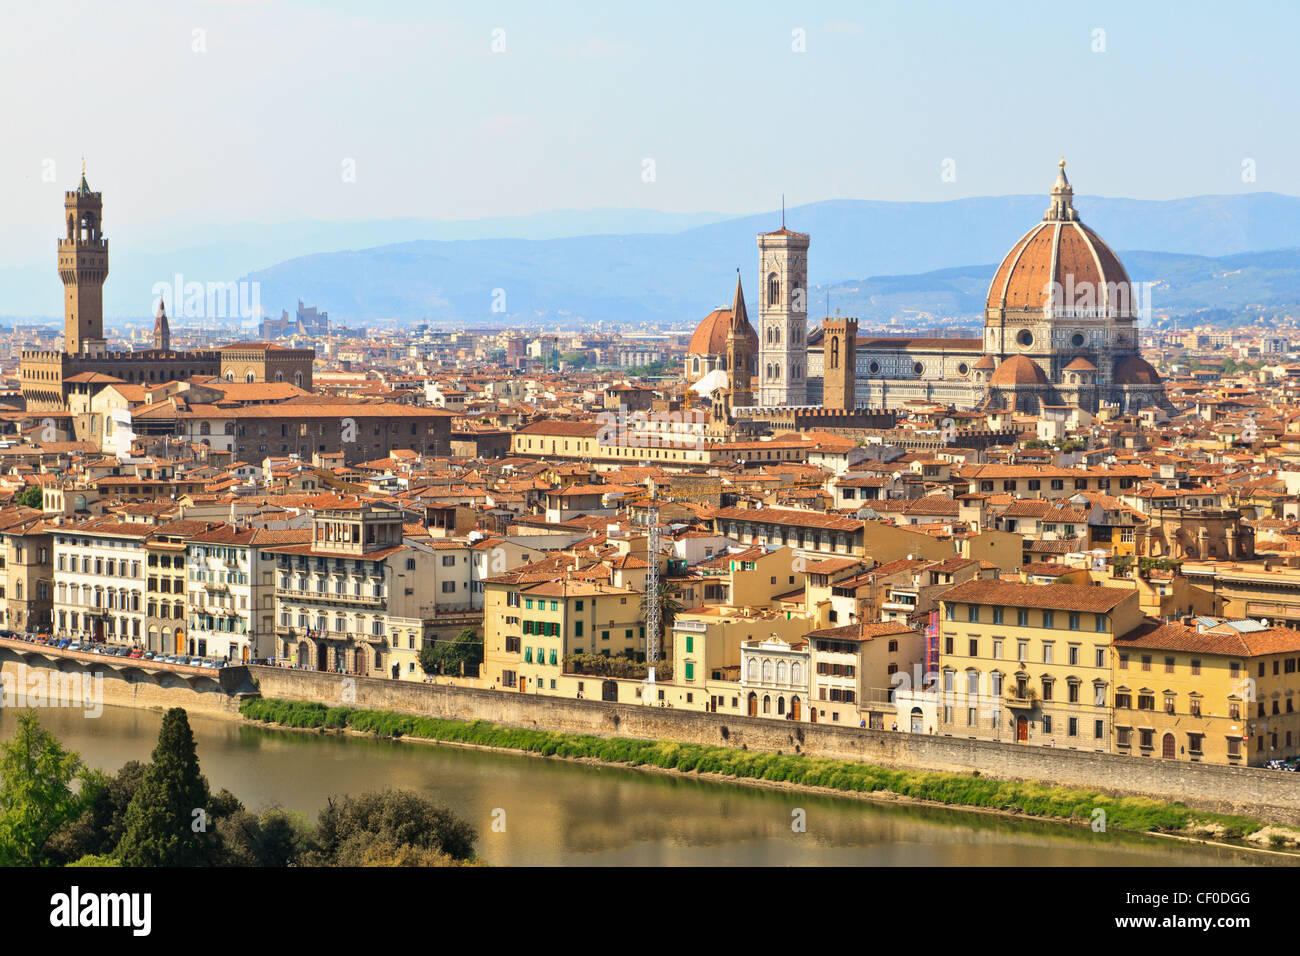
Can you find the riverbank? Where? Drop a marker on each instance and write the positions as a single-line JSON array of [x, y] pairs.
[[813, 774]]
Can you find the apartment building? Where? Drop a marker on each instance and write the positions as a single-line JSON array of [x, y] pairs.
[[336, 594], [100, 580], [230, 593], [853, 670], [165, 590], [530, 627], [1031, 663], [26, 572], [1214, 692]]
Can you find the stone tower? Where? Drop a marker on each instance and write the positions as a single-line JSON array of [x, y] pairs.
[[162, 333], [83, 267], [839, 376], [783, 317], [740, 358]]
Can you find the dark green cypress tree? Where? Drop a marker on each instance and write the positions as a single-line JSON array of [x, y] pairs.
[[162, 827]]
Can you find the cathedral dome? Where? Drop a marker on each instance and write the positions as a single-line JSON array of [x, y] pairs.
[[1135, 370], [1081, 364], [710, 337], [1062, 267], [1018, 370]]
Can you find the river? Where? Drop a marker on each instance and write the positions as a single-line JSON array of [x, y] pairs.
[[559, 813]]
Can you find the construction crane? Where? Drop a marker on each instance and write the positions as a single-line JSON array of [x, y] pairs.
[[711, 488]]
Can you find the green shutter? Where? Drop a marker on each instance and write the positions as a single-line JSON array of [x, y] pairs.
[[690, 645], [690, 670]]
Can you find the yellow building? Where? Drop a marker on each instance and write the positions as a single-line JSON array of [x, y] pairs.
[[529, 628], [1210, 692], [1031, 663]]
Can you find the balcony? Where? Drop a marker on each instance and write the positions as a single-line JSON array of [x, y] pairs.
[[1021, 698], [330, 597]]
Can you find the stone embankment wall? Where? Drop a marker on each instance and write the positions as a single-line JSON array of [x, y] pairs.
[[1265, 794], [37, 676]]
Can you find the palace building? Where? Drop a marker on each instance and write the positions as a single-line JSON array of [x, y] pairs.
[[51, 378], [1060, 329]]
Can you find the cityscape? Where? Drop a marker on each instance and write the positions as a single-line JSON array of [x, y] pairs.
[[784, 543]]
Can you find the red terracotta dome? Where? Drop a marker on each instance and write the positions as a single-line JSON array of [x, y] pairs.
[[1018, 370], [1081, 364], [710, 337], [1062, 264], [1135, 370]]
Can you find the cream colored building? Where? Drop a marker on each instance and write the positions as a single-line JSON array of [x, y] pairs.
[[1031, 663]]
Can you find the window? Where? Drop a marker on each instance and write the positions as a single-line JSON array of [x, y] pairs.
[[1022, 617], [974, 647], [1146, 662], [1073, 655], [973, 613], [1049, 619], [1048, 652], [1074, 623], [1098, 729], [1122, 738], [997, 615]]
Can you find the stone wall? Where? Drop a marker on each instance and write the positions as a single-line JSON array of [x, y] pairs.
[[38, 679], [1269, 795]]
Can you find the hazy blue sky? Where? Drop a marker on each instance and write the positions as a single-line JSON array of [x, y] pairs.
[[259, 125]]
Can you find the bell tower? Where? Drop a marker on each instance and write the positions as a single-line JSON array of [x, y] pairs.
[[783, 317], [83, 267]]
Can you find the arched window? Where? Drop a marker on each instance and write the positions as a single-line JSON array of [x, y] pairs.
[[753, 669], [767, 704], [248, 377], [297, 379], [767, 671], [279, 376], [773, 290], [780, 672], [835, 351], [796, 673]]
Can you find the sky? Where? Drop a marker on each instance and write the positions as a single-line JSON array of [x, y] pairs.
[[279, 111]]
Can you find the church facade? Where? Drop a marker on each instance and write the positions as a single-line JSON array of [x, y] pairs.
[[1060, 329]]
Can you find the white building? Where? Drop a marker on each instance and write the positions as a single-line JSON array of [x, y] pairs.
[[99, 581], [230, 594]]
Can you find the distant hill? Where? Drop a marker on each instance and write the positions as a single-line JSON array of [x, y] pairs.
[[656, 275], [681, 276]]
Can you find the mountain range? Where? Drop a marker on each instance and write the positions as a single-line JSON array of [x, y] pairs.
[[878, 260]]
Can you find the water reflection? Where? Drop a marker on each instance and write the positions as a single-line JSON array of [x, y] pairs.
[[568, 813]]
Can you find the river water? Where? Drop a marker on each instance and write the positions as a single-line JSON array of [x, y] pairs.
[[559, 813]]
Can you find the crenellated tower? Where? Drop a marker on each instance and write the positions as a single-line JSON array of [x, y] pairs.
[[839, 363], [83, 267]]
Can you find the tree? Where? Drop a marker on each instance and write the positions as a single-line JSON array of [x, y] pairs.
[[669, 608], [30, 498], [166, 822], [393, 826], [445, 657], [36, 795], [97, 830]]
